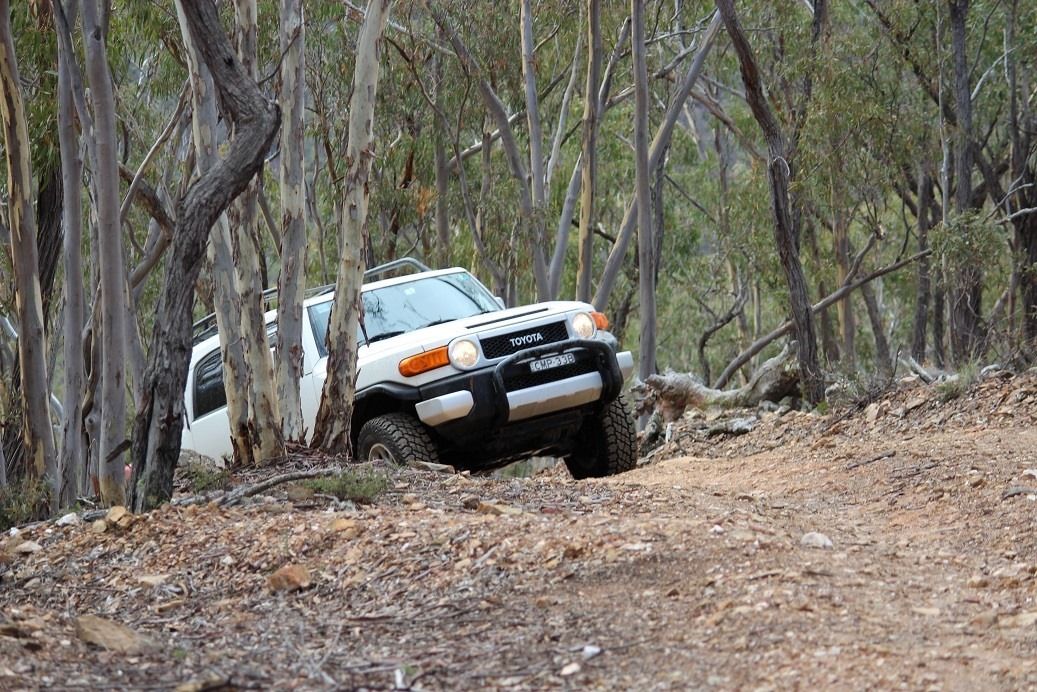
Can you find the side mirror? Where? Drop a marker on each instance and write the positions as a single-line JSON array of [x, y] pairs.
[[500, 301]]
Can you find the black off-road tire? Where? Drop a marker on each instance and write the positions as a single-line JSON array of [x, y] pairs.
[[400, 436], [606, 444]]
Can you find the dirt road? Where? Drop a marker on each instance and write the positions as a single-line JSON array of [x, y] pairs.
[[887, 546]]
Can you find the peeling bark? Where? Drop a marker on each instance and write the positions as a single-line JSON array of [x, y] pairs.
[[291, 283], [264, 420], [334, 417], [112, 268]]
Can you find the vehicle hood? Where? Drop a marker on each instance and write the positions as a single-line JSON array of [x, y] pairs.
[[438, 335]]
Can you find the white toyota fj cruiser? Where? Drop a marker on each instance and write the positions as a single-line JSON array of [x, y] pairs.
[[447, 375]]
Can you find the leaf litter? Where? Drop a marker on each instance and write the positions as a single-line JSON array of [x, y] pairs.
[[686, 572]]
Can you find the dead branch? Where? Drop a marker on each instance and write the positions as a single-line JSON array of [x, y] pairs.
[[871, 460], [830, 299], [236, 496]]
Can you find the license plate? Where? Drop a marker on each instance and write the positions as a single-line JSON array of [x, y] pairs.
[[552, 362]]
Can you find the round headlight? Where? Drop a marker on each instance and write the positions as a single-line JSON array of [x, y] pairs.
[[464, 354], [583, 325]]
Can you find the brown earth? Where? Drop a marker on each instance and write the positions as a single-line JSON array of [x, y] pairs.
[[689, 572]]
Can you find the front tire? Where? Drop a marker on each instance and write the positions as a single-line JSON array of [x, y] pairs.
[[606, 444], [399, 438]]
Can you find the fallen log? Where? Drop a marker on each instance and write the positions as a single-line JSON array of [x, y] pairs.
[[673, 393]]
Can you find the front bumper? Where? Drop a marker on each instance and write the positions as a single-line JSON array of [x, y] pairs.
[[510, 392]]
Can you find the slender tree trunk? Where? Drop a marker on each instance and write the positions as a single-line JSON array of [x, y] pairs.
[[37, 434], [159, 421], [536, 154], [779, 173], [291, 284], [883, 357], [49, 233], [939, 326], [966, 302], [844, 308], [531, 225], [829, 346], [264, 417], [112, 267], [643, 187], [589, 156], [442, 173], [225, 298], [659, 145], [922, 289], [73, 461], [574, 192], [332, 429]]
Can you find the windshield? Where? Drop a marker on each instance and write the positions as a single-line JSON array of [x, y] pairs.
[[416, 304]]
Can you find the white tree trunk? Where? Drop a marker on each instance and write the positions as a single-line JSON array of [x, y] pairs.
[[112, 268], [291, 284], [536, 153], [265, 427], [37, 434], [332, 429], [73, 462], [497, 111], [645, 239], [590, 155]]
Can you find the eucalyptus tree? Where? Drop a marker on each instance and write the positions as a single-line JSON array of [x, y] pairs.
[[332, 428], [37, 433], [159, 421], [642, 191], [967, 298], [291, 282], [660, 143], [989, 121], [73, 466], [111, 267], [226, 301], [264, 418], [531, 220], [538, 184], [1019, 201], [589, 152], [779, 174]]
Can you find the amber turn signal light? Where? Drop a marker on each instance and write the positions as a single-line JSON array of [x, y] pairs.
[[600, 321], [423, 362]]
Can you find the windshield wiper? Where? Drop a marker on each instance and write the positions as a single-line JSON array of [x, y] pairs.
[[385, 335]]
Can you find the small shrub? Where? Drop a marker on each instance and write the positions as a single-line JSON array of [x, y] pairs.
[[205, 479], [357, 485], [956, 386], [22, 502]]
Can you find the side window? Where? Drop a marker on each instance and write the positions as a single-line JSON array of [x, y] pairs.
[[320, 315], [209, 394]]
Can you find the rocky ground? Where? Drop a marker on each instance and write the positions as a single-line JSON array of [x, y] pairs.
[[888, 544]]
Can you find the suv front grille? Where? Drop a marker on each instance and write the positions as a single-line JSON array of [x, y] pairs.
[[506, 344]]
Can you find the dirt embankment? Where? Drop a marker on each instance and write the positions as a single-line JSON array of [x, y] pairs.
[[887, 546]]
